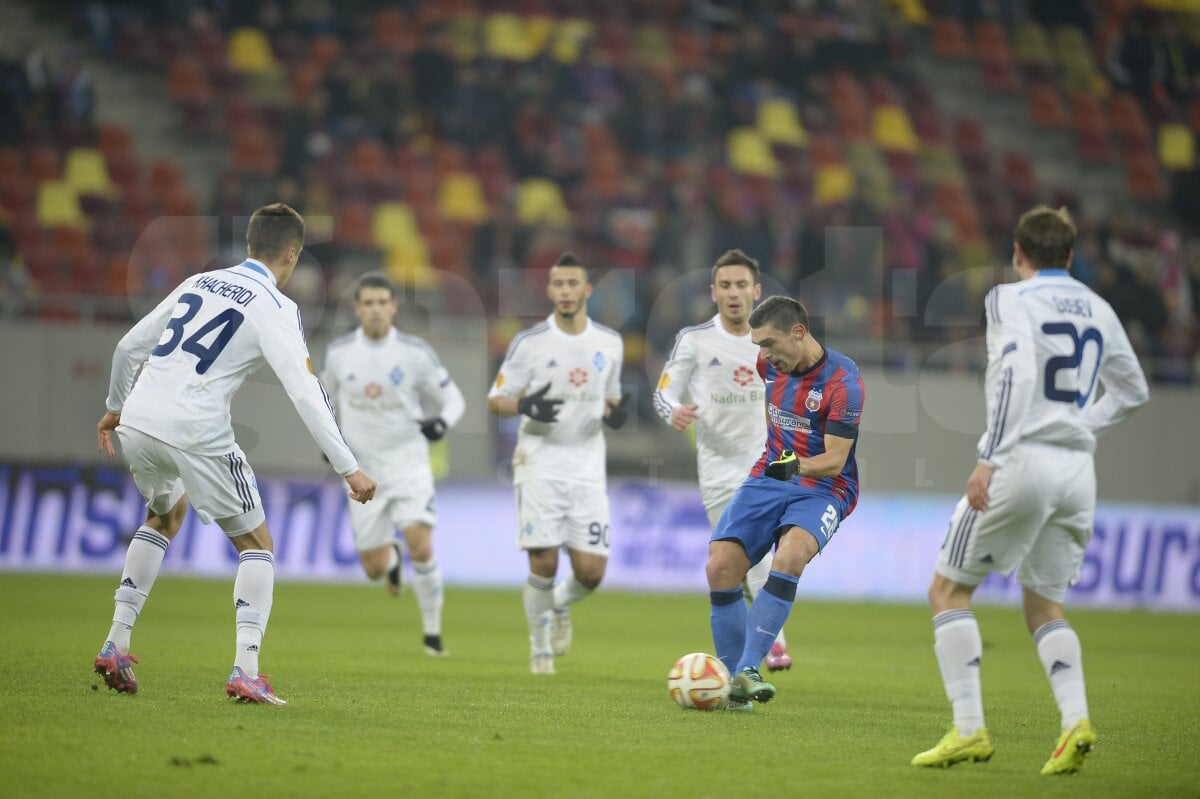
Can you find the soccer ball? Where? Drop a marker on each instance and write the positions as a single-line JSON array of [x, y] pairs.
[[699, 681]]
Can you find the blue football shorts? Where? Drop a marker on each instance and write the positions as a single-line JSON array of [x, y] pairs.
[[763, 508]]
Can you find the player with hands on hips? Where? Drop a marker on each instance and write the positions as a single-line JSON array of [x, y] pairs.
[[393, 398], [174, 375], [1030, 501], [712, 365], [563, 377]]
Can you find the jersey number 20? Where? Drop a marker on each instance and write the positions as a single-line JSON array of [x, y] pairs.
[[224, 324], [1072, 362]]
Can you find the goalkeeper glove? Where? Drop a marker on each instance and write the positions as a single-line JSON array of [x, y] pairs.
[[618, 415], [433, 429], [787, 467], [538, 406]]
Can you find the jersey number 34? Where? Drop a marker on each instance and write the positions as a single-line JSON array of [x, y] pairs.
[[221, 328]]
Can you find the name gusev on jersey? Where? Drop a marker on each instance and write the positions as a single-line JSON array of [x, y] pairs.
[[199, 345]]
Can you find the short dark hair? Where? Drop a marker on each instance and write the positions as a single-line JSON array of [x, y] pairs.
[[736, 257], [374, 280], [570, 259], [782, 313], [272, 229], [1046, 237]]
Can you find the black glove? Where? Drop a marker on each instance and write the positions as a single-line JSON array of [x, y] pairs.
[[619, 413], [538, 407], [787, 467], [434, 429]]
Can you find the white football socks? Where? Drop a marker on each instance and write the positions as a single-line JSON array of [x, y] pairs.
[[569, 591], [253, 590], [539, 601], [959, 650], [1062, 657], [143, 559], [427, 585]]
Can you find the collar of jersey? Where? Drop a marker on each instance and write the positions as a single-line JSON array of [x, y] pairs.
[[370, 342], [721, 329], [558, 331], [1052, 273], [820, 362], [255, 265]]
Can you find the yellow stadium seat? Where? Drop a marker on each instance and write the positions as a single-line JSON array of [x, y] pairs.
[[569, 36], [1176, 147], [779, 123], [87, 173], [540, 200], [460, 198], [249, 51], [394, 225], [408, 265], [504, 36], [833, 184], [892, 129], [58, 204], [911, 11], [750, 152]]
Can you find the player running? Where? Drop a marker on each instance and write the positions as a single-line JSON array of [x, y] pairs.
[[564, 376], [393, 397]]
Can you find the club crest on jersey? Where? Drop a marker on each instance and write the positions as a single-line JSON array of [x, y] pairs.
[[813, 403], [578, 377], [372, 390], [599, 361], [743, 376], [396, 375]]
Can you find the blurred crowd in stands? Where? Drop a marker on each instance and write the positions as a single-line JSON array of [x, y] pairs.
[[462, 145]]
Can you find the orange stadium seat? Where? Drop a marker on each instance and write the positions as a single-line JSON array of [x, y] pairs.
[[1045, 106], [950, 39], [1143, 177]]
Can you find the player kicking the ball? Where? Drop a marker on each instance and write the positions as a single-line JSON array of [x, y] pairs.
[[1031, 499], [713, 364], [194, 351], [801, 488]]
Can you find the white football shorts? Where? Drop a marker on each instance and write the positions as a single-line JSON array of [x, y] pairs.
[[554, 513], [403, 499], [219, 487], [1039, 521]]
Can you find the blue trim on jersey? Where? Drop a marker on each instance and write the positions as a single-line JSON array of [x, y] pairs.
[[537, 329], [680, 334], [340, 341], [1074, 285], [419, 343], [256, 268], [604, 328], [270, 289], [1052, 273], [993, 304], [1001, 415]]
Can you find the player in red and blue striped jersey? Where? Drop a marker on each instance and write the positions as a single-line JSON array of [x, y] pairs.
[[802, 487]]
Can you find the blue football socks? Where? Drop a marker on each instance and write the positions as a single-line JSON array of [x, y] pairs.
[[728, 620], [765, 619]]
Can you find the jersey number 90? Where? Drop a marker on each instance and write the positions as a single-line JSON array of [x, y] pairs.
[[223, 325]]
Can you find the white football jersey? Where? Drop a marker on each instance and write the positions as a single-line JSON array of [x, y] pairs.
[[716, 370], [584, 371], [198, 347], [1052, 345], [383, 390]]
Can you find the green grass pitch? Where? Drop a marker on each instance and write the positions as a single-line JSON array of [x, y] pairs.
[[370, 715]]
